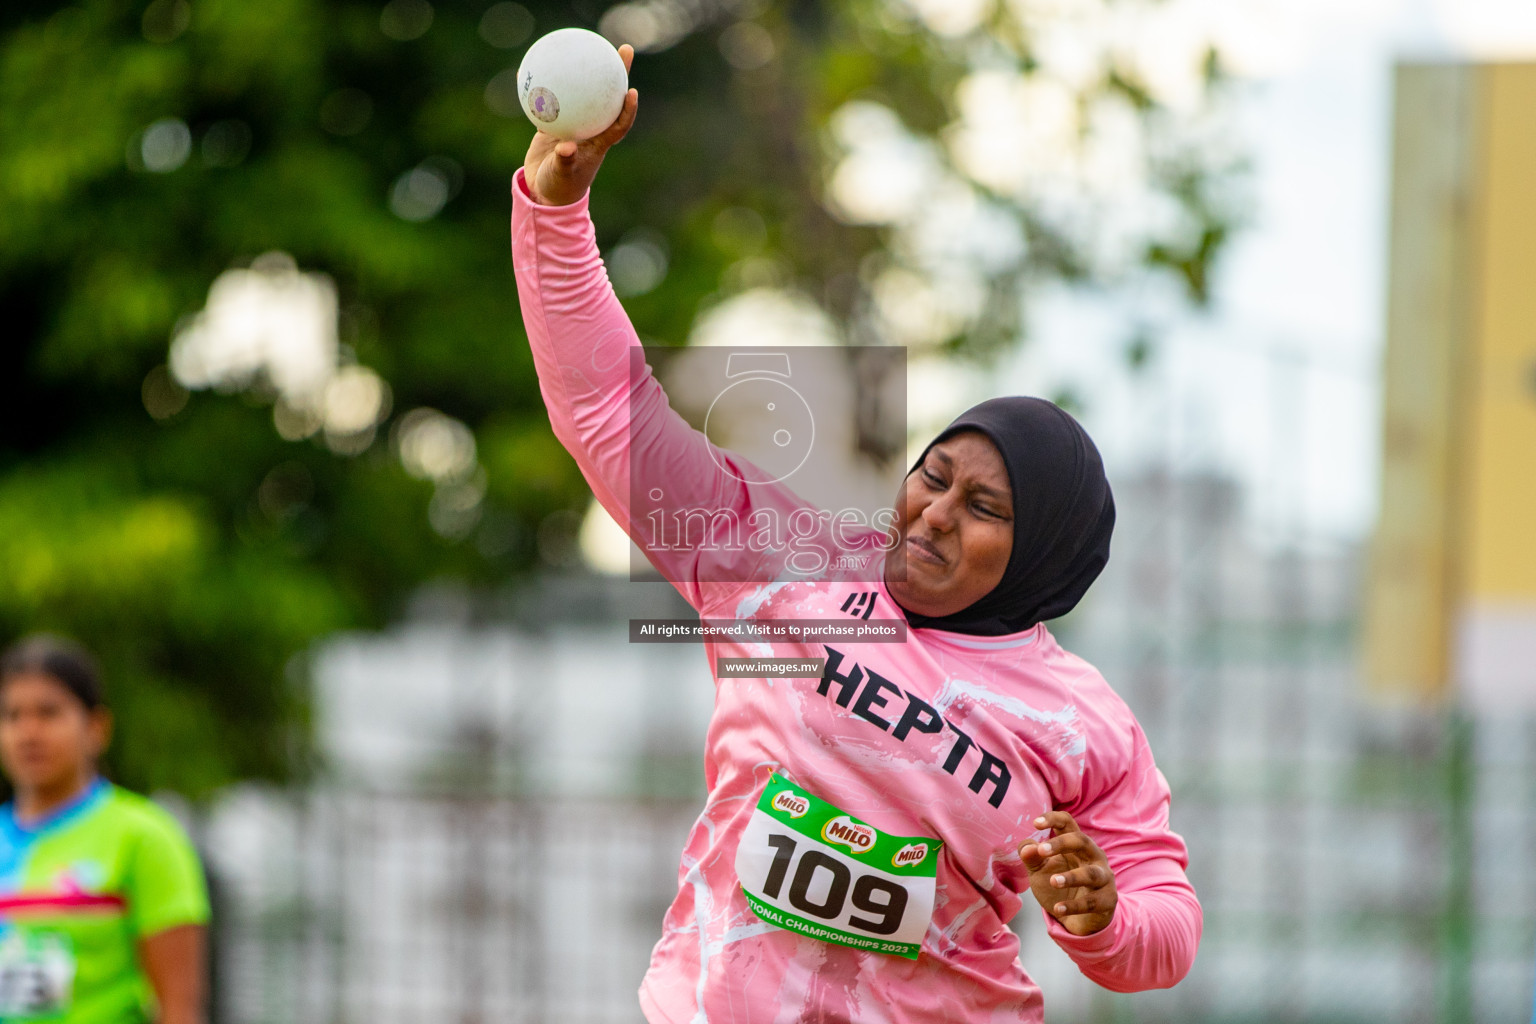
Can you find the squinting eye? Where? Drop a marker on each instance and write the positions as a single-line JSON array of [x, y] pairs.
[[930, 478]]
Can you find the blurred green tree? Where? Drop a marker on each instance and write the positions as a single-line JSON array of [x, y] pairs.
[[200, 514]]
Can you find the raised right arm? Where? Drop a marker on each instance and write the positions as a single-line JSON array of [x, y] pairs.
[[612, 415]]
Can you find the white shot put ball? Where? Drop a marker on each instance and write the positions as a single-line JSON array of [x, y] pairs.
[[572, 83]]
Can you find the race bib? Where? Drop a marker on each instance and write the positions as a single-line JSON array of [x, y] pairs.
[[37, 974], [807, 866]]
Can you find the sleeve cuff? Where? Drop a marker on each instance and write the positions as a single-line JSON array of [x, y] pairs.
[[523, 198], [1101, 945]]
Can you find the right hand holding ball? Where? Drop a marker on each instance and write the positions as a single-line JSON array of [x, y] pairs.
[[559, 170]]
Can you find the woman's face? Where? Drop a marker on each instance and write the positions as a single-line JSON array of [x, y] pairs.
[[953, 528], [48, 738]]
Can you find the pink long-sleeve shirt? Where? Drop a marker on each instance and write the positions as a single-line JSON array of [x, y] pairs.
[[961, 738]]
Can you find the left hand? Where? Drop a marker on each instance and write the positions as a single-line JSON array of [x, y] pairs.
[[1070, 876]]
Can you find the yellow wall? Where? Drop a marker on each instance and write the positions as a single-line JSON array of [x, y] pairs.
[[1407, 626], [1499, 514], [1457, 531]]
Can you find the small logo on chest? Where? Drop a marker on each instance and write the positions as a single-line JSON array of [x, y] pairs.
[[860, 603]]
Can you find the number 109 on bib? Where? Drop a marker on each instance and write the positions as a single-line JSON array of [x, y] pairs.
[[810, 868]]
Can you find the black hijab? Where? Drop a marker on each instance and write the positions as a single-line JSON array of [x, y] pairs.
[[1063, 514]]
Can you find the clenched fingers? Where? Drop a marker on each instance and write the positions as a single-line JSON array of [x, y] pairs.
[[604, 139], [1096, 902], [1057, 821], [1093, 876], [1069, 875], [621, 124], [1072, 846]]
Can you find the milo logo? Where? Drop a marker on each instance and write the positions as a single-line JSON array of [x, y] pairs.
[[790, 804], [909, 855], [847, 832]]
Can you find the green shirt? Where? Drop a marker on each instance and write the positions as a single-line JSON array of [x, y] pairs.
[[78, 891]]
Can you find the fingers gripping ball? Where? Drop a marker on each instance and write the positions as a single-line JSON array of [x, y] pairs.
[[572, 83]]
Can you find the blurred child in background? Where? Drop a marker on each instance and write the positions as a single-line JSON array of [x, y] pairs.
[[103, 907]]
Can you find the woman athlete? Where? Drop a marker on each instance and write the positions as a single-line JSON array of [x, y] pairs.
[[868, 834], [103, 909]]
